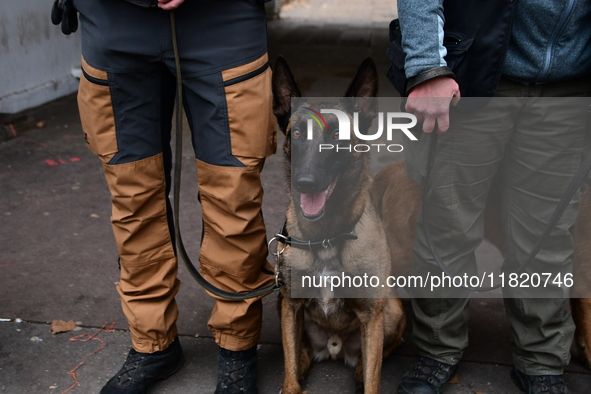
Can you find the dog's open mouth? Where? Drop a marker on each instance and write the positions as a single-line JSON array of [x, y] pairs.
[[313, 204]]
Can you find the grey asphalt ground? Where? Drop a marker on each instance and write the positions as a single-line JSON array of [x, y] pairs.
[[58, 258]]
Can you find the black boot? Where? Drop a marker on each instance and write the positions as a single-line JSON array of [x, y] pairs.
[[538, 384], [237, 372], [142, 370], [427, 376]]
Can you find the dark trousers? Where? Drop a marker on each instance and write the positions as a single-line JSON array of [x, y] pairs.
[[536, 143]]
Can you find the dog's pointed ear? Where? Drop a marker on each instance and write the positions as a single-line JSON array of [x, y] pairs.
[[364, 89], [284, 88], [365, 83]]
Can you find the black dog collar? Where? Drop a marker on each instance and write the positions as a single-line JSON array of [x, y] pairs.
[[285, 238]]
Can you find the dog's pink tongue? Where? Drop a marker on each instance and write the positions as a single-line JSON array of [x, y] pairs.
[[312, 204]]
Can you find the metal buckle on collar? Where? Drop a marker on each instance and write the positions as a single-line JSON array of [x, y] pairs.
[[279, 238], [283, 239]]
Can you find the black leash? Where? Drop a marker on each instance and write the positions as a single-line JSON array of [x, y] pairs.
[[572, 188], [263, 291]]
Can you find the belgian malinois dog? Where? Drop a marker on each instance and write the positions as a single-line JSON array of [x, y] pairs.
[[330, 192], [398, 200]]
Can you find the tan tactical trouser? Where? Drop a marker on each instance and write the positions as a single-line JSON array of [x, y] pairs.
[[126, 102]]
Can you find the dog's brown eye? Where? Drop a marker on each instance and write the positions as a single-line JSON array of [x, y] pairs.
[[335, 135], [296, 133]]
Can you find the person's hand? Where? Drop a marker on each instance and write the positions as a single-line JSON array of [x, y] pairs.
[[430, 101], [64, 12], [169, 4]]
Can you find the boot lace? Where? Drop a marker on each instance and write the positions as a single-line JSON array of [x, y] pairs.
[[548, 384], [432, 371], [127, 371], [233, 380]]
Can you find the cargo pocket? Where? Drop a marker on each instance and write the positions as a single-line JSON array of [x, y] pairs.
[[96, 112], [253, 128], [457, 45]]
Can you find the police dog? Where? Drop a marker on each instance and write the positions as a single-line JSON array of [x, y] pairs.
[[329, 192], [398, 200]]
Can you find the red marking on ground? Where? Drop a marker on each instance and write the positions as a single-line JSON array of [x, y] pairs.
[[5, 265], [62, 161], [86, 338], [75, 159], [51, 162], [71, 137]]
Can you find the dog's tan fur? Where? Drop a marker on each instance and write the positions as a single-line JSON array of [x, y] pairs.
[[359, 330], [399, 199]]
